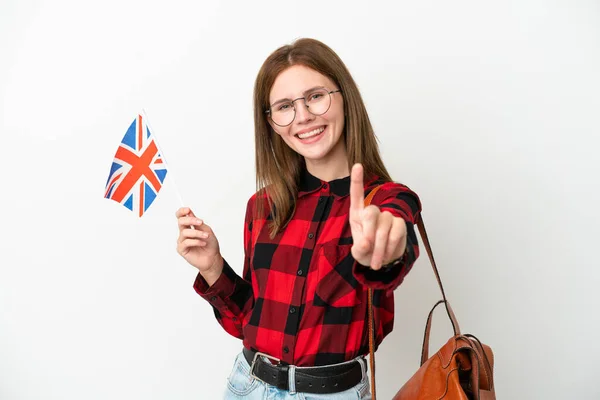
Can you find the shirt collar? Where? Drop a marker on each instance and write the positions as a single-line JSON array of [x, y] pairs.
[[339, 187]]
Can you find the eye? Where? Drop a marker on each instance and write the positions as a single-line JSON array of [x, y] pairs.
[[284, 107], [315, 96]]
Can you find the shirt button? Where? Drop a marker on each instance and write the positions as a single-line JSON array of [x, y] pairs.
[[286, 350], [320, 199], [292, 310], [325, 186], [214, 298], [310, 236], [300, 273]]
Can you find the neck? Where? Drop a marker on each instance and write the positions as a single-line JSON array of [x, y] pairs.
[[333, 166]]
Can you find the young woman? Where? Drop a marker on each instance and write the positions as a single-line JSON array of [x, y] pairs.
[[311, 247]]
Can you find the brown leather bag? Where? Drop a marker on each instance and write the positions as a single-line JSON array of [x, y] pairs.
[[461, 369]]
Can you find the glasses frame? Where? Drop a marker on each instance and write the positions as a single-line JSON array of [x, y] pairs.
[[329, 92]]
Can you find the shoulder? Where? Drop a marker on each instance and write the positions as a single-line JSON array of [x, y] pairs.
[[387, 188], [395, 197], [396, 187], [252, 204], [260, 195]]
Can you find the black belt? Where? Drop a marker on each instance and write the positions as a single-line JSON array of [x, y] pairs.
[[327, 379]]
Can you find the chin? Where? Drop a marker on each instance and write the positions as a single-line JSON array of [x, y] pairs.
[[316, 155]]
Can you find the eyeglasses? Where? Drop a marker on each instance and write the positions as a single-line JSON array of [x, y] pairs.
[[317, 102]]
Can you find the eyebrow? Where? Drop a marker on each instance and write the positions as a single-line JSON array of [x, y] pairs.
[[304, 93]]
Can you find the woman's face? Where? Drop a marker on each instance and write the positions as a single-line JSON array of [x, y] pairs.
[[312, 136]]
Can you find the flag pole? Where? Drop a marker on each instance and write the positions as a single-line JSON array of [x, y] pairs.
[[169, 170]]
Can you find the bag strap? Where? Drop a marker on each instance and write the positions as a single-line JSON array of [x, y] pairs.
[[449, 311], [371, 316], [425, 238]]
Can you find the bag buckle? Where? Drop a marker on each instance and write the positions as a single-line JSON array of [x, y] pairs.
[[256, 355]]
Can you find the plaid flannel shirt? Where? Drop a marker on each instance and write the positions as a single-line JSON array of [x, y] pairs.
[[302, 297]]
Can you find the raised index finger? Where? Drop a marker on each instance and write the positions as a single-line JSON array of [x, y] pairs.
[[357, 192]]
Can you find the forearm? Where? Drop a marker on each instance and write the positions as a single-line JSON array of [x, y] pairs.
[[229, 294]]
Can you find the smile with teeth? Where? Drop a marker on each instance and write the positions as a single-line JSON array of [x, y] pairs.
[[312, 133]]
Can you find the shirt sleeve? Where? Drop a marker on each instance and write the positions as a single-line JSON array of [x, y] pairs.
[[231, 296], [401, 202]]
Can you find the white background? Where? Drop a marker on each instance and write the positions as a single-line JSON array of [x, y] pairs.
[[490, 111]]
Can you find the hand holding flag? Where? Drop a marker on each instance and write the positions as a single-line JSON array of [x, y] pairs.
[[198, 245], [136, 176]]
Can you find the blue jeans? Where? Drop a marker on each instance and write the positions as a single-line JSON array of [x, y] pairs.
[[240, 385]]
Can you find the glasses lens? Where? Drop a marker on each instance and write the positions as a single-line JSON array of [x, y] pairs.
[[318, 101], [283, 113]]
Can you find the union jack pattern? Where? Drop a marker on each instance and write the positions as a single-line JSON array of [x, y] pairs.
[[138, 171]]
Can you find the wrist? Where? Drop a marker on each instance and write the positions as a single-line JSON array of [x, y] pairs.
[[214, 272]]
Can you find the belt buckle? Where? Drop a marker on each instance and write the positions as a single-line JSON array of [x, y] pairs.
[[256, 355]]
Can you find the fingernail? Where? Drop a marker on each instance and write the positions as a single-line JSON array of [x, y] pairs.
[[198, 221]]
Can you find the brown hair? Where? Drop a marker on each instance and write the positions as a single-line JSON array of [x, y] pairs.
[[278, 167]]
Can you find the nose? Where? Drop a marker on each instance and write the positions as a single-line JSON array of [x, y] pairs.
[[302, 113]]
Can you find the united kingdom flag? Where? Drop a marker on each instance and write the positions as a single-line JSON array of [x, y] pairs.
[[138, 171]]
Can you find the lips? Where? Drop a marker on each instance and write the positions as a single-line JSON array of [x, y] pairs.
[[310, 134]]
